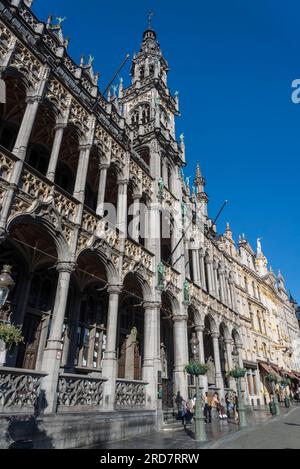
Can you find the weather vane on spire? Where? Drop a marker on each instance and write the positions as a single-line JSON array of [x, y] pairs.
[[150, 16]]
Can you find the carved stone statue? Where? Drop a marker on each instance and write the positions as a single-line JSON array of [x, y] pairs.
[[164, 361], [211, 372]]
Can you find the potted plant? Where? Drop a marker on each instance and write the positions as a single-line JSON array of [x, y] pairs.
[[286, 382], [196, 368], [237, 373], [10, 335], [272, 378]]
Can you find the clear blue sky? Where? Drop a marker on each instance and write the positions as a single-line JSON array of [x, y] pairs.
[[233, 63]]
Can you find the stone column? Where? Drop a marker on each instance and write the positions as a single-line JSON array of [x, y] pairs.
[[83, 164], [233, 295], [216, 282], [101, 189], [199, 330], [59, 132], [196, 266], [122, 207], [228, 344], [202, 270], [219, 379], [222, 289], [151, 359], [241, 365], [136, 217], [209, 274], [53, 351], [181, 355], [109, 365]]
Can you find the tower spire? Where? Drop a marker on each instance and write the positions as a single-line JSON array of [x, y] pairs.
[[149, 17]]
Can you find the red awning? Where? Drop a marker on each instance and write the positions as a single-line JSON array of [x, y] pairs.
[[265, 367]]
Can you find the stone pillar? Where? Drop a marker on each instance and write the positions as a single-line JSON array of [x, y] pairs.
[[122, 207], [53, 351], [199, 330], [228, 344], [233, 295], [209, 274], [181, 355], [83, 164], [216, 282], [241, 365], [136, 217], [151, 358], [109, 366], [219, 379], [222, 290], [196, 266], [59, 132], [101, 189], [165, 173], [202, 270]]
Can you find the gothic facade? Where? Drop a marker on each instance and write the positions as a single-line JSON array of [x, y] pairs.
[[117, 265]]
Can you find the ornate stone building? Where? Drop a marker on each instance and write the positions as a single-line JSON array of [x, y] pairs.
[[116, 262]]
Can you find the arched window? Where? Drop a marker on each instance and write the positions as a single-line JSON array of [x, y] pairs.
[[145, 114], [169, 178], [142, 73], [135, 117]]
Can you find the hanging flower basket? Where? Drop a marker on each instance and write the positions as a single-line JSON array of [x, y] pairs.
[[272, 378], [10, 334], [285, 382], [196, 368], [237, 373]]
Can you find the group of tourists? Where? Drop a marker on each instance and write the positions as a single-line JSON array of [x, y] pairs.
[[210, 402]]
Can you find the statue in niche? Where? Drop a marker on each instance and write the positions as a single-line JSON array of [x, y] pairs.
[[211, 372], [164, 361]]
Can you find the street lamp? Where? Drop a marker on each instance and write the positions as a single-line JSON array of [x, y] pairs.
[[238, 376], [6, 283], [200, 434]]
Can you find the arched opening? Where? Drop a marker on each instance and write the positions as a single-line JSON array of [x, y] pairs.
[[166, 230], [12, 111], [86, 316], [92, 182], [66, 171], [41, 141], [111, 190], [166, 352], [130, 350], [34, 255], [144, 153]]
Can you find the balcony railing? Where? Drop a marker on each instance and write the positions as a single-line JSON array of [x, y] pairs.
[[79, 393], [20, 390], [130, 394]]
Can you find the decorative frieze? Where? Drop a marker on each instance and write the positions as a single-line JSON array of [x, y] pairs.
[[26, 63], [6, 40], [81, 393], [130, 394], [6, 166]]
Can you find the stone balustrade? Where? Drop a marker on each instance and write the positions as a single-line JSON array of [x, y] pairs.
[[78, 392], [136, 252], [130, 394], [19, 390], [172, 277]]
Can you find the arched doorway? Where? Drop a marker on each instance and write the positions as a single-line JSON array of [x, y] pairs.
[[209, 351], [167, 352], [34, 251], [130, 350]]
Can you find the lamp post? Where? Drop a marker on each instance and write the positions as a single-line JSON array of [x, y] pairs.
[[200, 434], [6, 283], [241, 404], [273, 382]]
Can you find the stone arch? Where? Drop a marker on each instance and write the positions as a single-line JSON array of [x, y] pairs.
[[167, 348], [35, 286], [48, 222], [101, 253], [12, 111], [236, 338]]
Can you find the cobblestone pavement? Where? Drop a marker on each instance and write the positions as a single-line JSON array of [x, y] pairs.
[[262, 431]]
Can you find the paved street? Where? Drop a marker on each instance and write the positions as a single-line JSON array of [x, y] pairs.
[[263, 431]]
